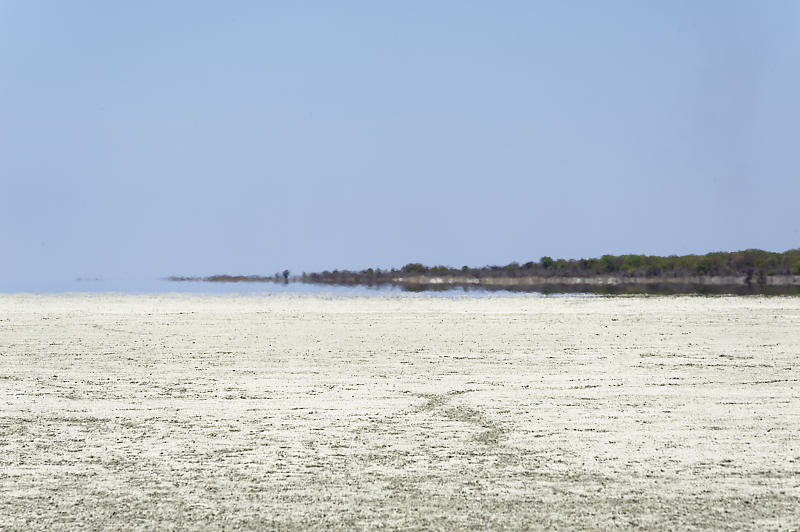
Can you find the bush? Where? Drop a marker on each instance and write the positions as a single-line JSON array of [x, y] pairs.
[[414, 267], [704, 267]]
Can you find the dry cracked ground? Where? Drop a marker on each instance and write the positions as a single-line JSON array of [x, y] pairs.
[[408, 411]]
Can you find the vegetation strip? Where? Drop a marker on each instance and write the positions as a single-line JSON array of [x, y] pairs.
[[752, 270]]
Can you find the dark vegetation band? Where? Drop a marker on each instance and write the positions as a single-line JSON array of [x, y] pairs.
[[751, 262]]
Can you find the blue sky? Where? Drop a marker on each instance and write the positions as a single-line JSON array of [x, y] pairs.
[[158, 138]]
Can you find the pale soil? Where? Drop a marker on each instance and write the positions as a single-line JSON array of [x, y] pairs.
[[189, 412], [596, 280]]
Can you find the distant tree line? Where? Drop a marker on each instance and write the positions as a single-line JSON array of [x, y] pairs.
[[752, 264]]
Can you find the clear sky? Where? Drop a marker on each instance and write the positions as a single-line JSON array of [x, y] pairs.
[[158, 138]]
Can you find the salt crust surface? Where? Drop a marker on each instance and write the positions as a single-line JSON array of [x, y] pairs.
[[414, 412]]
